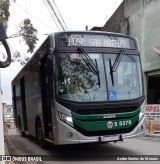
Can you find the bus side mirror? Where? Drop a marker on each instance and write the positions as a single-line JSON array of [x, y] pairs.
[[3, 37]]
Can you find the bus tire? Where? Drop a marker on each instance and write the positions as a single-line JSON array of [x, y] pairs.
[[40, 136]]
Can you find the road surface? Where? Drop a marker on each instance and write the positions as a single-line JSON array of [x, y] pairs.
[[110, 153]]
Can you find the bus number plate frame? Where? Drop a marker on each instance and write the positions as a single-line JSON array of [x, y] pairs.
[[109, 138]]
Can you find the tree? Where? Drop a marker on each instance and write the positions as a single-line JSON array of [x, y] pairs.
[[4, 11], [26, 31]]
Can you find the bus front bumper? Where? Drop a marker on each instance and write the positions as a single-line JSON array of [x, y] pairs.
[[68, 135]]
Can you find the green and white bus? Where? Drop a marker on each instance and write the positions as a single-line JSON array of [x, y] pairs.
[[81, 87]]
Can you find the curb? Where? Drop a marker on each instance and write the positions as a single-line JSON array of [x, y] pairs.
[[156, 135], [11, 150]]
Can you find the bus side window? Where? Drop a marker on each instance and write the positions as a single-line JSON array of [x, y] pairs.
[[50, 76]]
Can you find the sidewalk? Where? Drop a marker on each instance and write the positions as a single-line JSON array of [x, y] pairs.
[[8, 146], [9, 149], [153, 134]]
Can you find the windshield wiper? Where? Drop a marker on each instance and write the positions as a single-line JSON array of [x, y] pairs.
[[115, 65], [91, 65]]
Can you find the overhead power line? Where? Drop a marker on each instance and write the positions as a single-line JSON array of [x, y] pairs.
[[51, 13], [35, 17], [26, 8], [57, 17], [60, 16]]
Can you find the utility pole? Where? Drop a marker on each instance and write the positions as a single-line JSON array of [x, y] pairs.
[[1, 113], [2, 152], [4, 49]]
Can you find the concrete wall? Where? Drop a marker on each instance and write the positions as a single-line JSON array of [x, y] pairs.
[[141, 19], [113, 24]]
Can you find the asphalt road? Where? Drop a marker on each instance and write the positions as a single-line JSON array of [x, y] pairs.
[[90, 153]]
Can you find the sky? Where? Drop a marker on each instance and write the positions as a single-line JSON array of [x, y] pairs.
[[77, 14]]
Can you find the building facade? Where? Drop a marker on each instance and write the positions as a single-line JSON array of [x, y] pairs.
[[141, 19]]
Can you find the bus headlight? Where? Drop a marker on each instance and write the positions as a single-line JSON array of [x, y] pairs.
[[142, 112], [66, 118]]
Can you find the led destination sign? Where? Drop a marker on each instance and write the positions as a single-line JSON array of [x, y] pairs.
[[96, 41]]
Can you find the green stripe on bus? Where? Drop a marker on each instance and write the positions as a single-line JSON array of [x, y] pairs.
[[105, 116], [106, 124]]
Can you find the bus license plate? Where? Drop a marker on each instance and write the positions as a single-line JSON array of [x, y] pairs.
[[109, 138]]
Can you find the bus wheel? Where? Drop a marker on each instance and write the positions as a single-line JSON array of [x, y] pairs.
[[40, 136]]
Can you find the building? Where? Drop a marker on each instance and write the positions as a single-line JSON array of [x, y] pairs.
[[141, 19], [7, 114]]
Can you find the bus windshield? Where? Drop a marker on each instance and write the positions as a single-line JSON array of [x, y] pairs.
[[84, 78]]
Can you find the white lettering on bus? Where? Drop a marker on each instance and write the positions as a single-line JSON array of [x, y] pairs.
[[75, 41], [114, 43], [95, 42]]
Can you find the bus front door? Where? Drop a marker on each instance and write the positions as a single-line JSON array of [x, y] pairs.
[[47, 96]]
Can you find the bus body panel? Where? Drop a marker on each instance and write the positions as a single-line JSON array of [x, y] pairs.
[[31, 101]]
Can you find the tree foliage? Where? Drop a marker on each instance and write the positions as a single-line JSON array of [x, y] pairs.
[[4, 11], [29, 34], [17, 57]]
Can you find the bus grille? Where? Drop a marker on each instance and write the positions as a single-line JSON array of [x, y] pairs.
[[106, 132], [107, 110]]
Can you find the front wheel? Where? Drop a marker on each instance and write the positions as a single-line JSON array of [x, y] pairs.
[[40, 136]]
